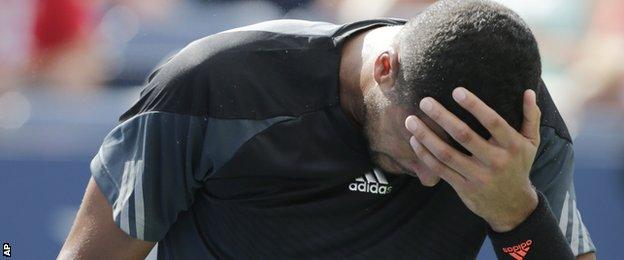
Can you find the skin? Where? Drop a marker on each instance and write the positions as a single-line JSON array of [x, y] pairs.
[[402, 140], [488, 181], [94, 235], [493, 183]]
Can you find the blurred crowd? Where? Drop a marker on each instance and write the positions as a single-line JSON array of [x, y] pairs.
[[79, 45]]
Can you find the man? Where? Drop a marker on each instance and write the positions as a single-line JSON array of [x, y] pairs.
[[276, 141]]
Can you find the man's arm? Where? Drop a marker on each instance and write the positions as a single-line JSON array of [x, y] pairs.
[[552, 174], [94, 235], [494, 181], [149, 167]]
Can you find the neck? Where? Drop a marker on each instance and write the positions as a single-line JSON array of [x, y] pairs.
[[351, 82], [356, 66]]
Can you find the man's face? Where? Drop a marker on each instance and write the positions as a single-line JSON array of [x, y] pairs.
[[389, 143]]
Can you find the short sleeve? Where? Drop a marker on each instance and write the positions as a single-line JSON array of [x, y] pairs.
[[169, 144], [552, 174], [149, 168]]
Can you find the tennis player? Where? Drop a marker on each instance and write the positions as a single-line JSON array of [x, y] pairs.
[[379, 139]]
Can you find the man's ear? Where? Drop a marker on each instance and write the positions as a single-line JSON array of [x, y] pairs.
[[386, 69]]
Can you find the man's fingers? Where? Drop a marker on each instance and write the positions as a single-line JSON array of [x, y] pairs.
[[432, 163], [444, 153], [502, 132], [532, 114], [461, 132]]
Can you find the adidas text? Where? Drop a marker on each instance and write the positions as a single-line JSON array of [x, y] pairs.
[[375, 183]]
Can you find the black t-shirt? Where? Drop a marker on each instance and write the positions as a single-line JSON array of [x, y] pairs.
[[238, 149]]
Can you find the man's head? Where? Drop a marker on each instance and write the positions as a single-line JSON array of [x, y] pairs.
[[477, 44]]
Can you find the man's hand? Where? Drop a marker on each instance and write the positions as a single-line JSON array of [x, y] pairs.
[[493, 182]]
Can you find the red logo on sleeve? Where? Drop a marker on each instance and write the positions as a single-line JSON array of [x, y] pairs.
[[519, 251]]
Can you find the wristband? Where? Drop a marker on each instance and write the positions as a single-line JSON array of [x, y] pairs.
[[537, 237]]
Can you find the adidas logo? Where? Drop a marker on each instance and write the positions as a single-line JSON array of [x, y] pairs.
[[518, 252], [375, 183]]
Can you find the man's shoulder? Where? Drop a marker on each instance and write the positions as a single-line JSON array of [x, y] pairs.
[[248, 72], [268, 35], [292, 27], [551, 118], [226, 51], [555, 156]]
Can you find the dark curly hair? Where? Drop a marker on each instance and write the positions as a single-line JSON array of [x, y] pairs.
[[477, 44]]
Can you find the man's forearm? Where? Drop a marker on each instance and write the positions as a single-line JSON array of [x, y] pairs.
[[538, 237]]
